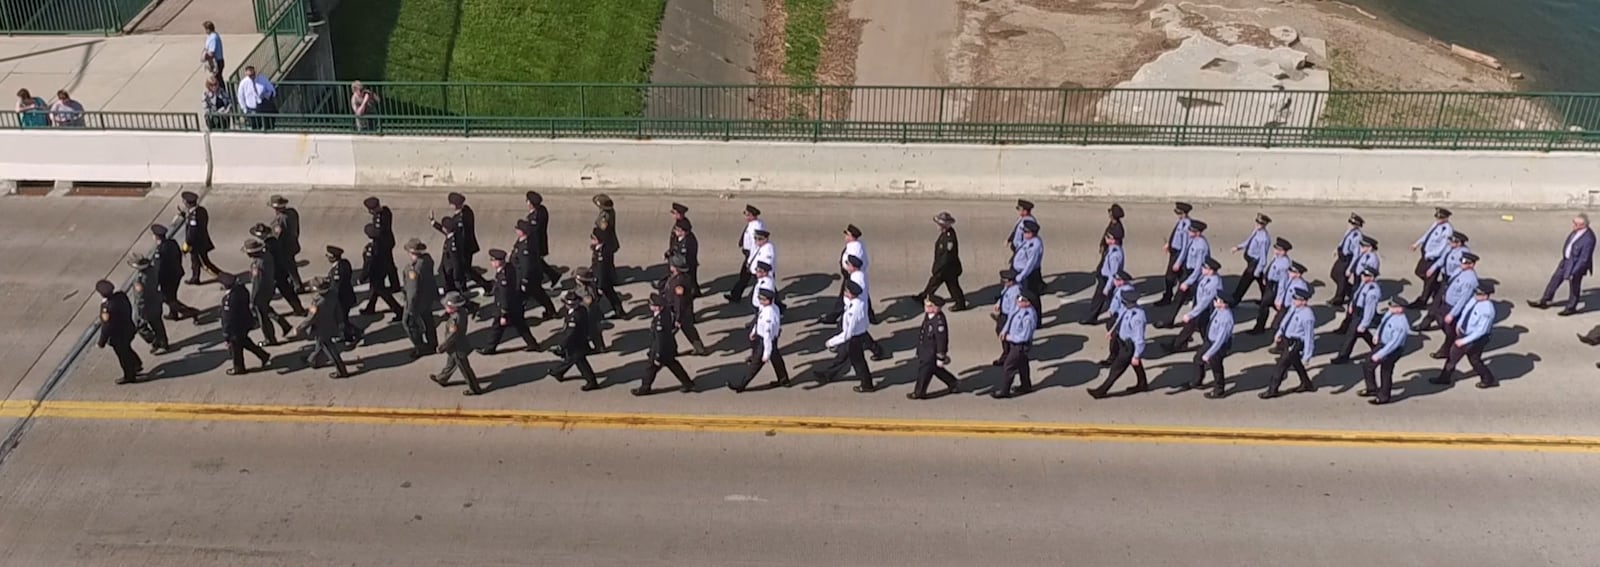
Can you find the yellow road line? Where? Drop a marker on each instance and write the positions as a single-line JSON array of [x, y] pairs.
[[806, 425]]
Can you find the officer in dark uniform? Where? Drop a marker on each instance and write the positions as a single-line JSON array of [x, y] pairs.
[[169, 263], [933, 351], [946, 263], [323, 326], [286, 226], [383, 243], [686, 245], [263, 280], [116, 329], [679, 212], [237, 320], [453, 263], [466, 235], [539, 217], [147, 304], [282, 259], [422, 292], [603, 264], [378, 270], [589, 296], [529, 268], [508, 299], [574, 343], [342, 279], [197, 236], [1114, 226], [679, 293], [455, 345], [605, 223], [663, 347]]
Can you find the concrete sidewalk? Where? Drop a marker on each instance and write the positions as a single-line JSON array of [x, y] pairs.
[[138, 73]]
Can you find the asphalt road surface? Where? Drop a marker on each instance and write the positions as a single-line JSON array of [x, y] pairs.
[[289, 467]]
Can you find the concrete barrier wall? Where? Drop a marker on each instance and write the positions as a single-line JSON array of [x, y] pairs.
[[1209, 174], [88, 155]]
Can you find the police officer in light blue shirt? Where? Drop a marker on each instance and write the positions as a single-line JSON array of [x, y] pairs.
[[1128, 331], [1110, 264], [1206, 293], [1344, 253], [1257, 250], [1295, 282], [1018, 336], [1358, 316], [1009, 291], [1029, 259], [1450, 262], [1433, 244], [1472, 327], [1024, 215], [1194, 257], [1277, 273], [1123, 283], [1176, 245], [1455, 300], [1393, 331], [1367, 259], [1218, 345], [1297, 338]]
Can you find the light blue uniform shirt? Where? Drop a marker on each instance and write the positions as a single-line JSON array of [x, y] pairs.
[[1301, 324], [1195, 257], [1220, 331], [1450, 262], [1020, 326], [1460, 291], [1351, 245], [214, 45], [1027, 259], [1016, 232], [1257, 245], [1363, 261], [1179, 241], [1278, 269], [1286, 290], [1434, 242], [1205, 294], [1476, 320], [1367, 302], [1008, 299], [1112, 264], [1392, 333], [1130, 327]]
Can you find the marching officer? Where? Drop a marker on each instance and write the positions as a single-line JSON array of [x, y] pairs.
[[1218, 345], [687, 245], [455, 346], [341, 279], [765, 282], [197, 236], [1256, 248], [850, 343], [117, 330], [379, 272], [603, 264], [589, 296], [382, 243], [1432, 245], [1472, 325], [282, 259], [1367, 259], [1112, 262], [1345, 253], [605, 223], [324, 328], [1293, 282], [933, 351], [1024, 216], [422, 292], [237, 320], [1577, 261], [576, 331], [1176, 247], [1010, 290], [1194, 258], [454, 262], [946, 263], [263, 281], [748, 245], [679, 212], [679, 295], [168, 259], [1018, 337], [1359, 316], [508, 300], [1449, 265], [1128, 330], [286, 226], [1113, 226], [663, 347], [147, 304], [1392, 334], [529, 268], [539, 219], [466, 233], [1455, 300], [1199, 318], [1028, 259], [1297, 341], [764, 343], [1122, 284], [1207, 285]]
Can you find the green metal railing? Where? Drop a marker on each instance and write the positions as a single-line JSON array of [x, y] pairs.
[[285, 32], [58, 17], [97, 120]]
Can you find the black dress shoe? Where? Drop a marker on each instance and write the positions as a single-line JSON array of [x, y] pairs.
[[1568, 312], [126, 380], [1306, 388], [1378, 401], [1215, 395], [1000, 394], [1097, 393], [338, 375], [1486, 385], [866, 390], [1269, 394], [1103, 363], [1137, 389], [1437, 355], [880, 356], [641, 392], [1365, 393], [914, 396], [1586, 340], [1538, 304], [472, 393], [436, 379], [487, 351], [1340, 360], [590, 387]]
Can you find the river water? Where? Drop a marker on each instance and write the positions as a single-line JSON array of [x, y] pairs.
[[1556, 43]]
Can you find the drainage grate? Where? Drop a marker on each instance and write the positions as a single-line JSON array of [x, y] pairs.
[[100, 189]]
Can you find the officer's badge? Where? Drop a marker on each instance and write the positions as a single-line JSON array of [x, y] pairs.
[[412, 274], [941, 328], [950, 246], [139, 287], [679, 290], [105, 315], [605, 225]]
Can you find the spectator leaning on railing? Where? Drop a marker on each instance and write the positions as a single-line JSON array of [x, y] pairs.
[[217, 104], [257, 96], [362, 103], [31, 110], [65, 112]]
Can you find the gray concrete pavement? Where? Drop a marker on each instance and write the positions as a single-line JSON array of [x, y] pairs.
[[136, 73], [1545, 371]]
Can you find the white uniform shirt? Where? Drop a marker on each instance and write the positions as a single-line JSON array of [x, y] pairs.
[[857, 249], [860, 277], [748, 241], [766, 283], [766, 253], [853, 324], [768, 329]]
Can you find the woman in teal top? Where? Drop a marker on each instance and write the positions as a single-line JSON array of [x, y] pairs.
[[32, 112]]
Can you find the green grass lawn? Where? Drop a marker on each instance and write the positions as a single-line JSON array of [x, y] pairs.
[[499, 41], [804, 31]]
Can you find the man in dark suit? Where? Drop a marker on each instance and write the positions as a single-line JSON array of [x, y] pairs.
[[197, 236], [116, 329], [1577, 260]]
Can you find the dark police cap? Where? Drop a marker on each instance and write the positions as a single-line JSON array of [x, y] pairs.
[[1302, 293], [371, 203], [1263, 219], [683, 224], [1369, 272], [658, 300], [415, 245], [570, 297], [278, 201], [763, 266], [935, 300], [1297, 268], [1130, 298], [583, 273], [497, 255], [335, 251], [944, 217], [533, 197], [603, 201], [1469, 258], [1025, 204], [104, 288], [1398, 301], [524, 226], [371, 231], [261, 230], [455, 299], [1198, 226], [1485, 288], [253, 246], [678, 261], [854, 261], [852, 231], [226, 279], [1182, 207], [158, 230], [680, 208], [765, 294], [1283, 244], [1459, 236], [1116, 211], [1030, 227], [1024, 298], [763, 233], [456, 199], [1441, 213], [190, 197], [852, 287], [449, 223], [1213, 264], [1008, 274], [752, 210], [1369, 242], [1356, 219], [1228, 301], [321, 284], [1124, 276]]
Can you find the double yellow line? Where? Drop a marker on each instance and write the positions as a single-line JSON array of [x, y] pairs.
[[772, 425]]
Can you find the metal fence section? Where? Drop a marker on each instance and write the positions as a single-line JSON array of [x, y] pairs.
[[59, 17], [98, 120], [285, 32]]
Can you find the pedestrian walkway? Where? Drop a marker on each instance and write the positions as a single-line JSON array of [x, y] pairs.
[[148, 73]]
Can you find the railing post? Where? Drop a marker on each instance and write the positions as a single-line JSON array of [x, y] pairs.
[[583, 101], [943, 90], [816, 131]]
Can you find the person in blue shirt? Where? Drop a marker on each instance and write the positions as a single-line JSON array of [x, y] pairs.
[[1024, 215], [1295, 282], [1297, 338], [1433, 244], [1450, 262], [1393, 331], [1455, 301], [1123, 283], [1018, 336], [1218, 345], [1029, 259], [1368, 259], [1277, 274], [1193, 259], [1111, 262], [1344, 253], [1199, 318], [1007, 305], [1129, 333], [1257, 250], [1472, 326], [1359, 315], [1177, 243]]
